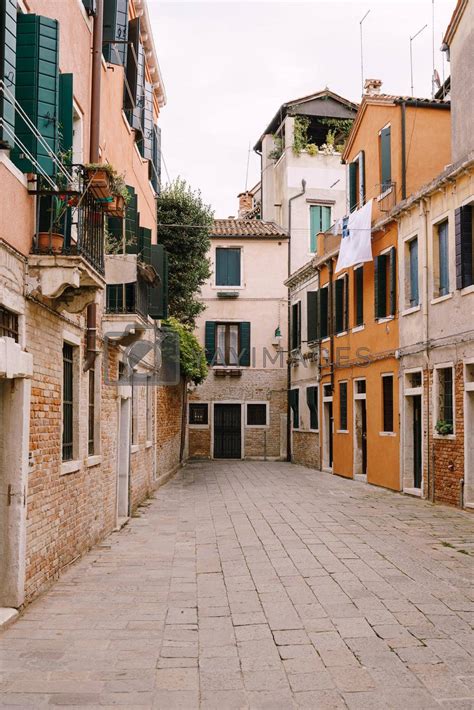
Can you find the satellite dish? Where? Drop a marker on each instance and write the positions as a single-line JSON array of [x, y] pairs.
[[436, 79]]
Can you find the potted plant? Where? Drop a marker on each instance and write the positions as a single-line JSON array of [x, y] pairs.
[[53, 240], [99, 179], [120, 196], [443, 427]]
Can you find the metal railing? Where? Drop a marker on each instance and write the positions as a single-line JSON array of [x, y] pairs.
[[128, 298]]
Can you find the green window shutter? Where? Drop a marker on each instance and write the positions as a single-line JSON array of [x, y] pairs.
[[145, 143], [299, 325], [343, 406], [443, 252], [376, 286], [158, 295], [315, 226], [463, 218], [8, 31], [353, 198], [135, 114], [325, 218], [359, 295], [91, 7], [380, 285], [66, 113], [154, 166], [339, 305], [392, 257], [323, 311], [210, 341], [346, 303], [37, 85], [115, 31], [385, 158], [413, 252], [144, 244], [312, 315], [362, 177], [227, 267], [131, 222], [244, 355], [131, 72], [312, 401], [295, 406]]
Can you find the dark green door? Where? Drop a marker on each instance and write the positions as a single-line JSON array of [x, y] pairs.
[[417, 441], [227, 431]]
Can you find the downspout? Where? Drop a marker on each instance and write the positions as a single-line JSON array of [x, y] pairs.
[[288, 365], [426, 335], [404, 151], [331, 323], [96, 81], [259, 152]]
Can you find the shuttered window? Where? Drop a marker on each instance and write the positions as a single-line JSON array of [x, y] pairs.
[[296, 325], [387, 402], [320, 221], [66, 114], [413, 255], [312, 314], [228, 266], [312, 401], [385, 284], [37, 88], [135, 114], [68, 402], [145, 142], [154, 166], [343, 406], [228, 344], [91, 413], [357, 182], [294, 401], [115, 31], [463, 225], [91, 6], [341, 304], [144, 244], [8, 30], [158, 295], [443, 257], [131, 72], [385, 159], [324, 312], [359, 295], [131, 222]]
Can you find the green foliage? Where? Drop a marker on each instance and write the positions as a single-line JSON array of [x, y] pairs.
[[192, 359], [184, 225], [300, 134], [312, 149], [338, 130], [444, 428], [278, 148]]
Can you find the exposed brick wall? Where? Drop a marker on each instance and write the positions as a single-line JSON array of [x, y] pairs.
[[168, 427], [305, 449], [199, 443]]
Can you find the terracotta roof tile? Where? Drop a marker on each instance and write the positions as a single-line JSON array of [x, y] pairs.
[[246, 228]]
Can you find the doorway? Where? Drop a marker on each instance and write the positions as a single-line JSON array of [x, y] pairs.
[[123, 459], [417, 441], [360, 429], [227, 431], [328, 428]]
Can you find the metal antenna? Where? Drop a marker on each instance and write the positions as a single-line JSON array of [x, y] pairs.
[[433, 47], [362, 53], [411, 55], [247, 173]]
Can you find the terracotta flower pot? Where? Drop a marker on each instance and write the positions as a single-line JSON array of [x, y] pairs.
[[116, 208], [99, 182], [50, 242]]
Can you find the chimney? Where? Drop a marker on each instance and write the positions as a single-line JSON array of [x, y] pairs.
[[245, 203], [372, 87]]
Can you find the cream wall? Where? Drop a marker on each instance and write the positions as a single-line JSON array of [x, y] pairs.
[[462, 84]]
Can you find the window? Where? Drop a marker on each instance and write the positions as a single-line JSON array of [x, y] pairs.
[[443, 258], [135, 393], [357, 182], [257, 414], [361, 386], [319, 221], [324, 312], [68, 402], [387, 402], [464, 232], [77, 136], [445, 395], [359, 296], [385, 150], [91, 413], [227, 267], [295, 407], [341, 303], [343, 406], [413, 299], [312, 314], [296, 325], [227, 344], [385, 284], [8, 324], [198, 414], [312, 400]]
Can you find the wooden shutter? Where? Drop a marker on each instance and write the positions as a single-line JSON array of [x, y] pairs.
[[37, 85], [244, 359], [131, 222], [361, 178], [463, 237], [323, 311], [352, 186], [131, 72], [414, 295], [339, 305], [385, 158], [66, 113], [154, 166], [136, 114], [8, 30], [233, 267], [298, 335], [91, 7], [359, 294], [221, 266], [210, 341], [325, 218], [380, 286], [312, 315], [294, 400], [158, 295], [312, 401], [443, 258], [346, 303], [146, 143], [392, 256], [315, 227], [144, 244], [115, 30]]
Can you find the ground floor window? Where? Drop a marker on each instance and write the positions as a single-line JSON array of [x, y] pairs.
[[257, 414], [198, 414], [343, 406], [312, 400], [295, 407], [68, 402], [387, 402], [8, 324], [445, 399], [91, 412]]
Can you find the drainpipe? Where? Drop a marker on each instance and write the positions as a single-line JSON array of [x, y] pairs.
[[288, 366], [404, 151], [96, 81], [426, 335], [331, 323], [91, 337]]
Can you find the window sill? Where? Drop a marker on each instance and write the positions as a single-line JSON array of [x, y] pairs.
[[467, 290], [410, 310], [257, 426], [134, 448], [358, 328], [326, 339], [385, 194], [70, 467], [385, 319], [444, 437], [387, 433], [342, 334], [93, 460], [227, 287], [342, 431], [199, 426], [440, 299]]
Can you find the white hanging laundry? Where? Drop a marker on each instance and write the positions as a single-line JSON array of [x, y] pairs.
[[356, 245]]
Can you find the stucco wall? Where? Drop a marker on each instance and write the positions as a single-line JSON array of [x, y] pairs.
[[462, 84]]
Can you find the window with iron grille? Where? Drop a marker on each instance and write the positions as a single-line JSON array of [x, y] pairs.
[[387, 402], [256, 414], [68, 401], [198, 414], [8, 324], [343, 406], [445, 395], [91, 412]]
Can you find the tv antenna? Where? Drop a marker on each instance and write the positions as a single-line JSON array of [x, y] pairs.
[[247, 172], [362, 52], [411, 54]]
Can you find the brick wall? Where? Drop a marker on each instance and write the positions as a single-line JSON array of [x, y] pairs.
[[305, 449], [168, 428]]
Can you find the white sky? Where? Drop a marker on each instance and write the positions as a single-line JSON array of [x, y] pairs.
[[228, 66]]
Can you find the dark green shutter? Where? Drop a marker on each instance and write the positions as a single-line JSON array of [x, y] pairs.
[[91, 6], [339, 305], [144, 244], [362, 176], [312, 315], [66, 113], [244, 359], [385, 158], [210, 341], [343, 406], [227, 267], [312, 401], [154, 166], [8, 30], [413, 251], [353, 198], [115, 31], [37, 84], [463, 217], [346, 302], [294, 401], [392, 256], [443, 247], [323, 311], [131, 222], [135, 115], [158, 295], [359, 294], [145, 144], [131, 72], [380, 286]]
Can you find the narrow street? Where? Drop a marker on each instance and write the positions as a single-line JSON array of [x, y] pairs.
[[257, 585]]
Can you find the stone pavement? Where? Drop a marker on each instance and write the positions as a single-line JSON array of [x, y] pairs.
[[258, 585]]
